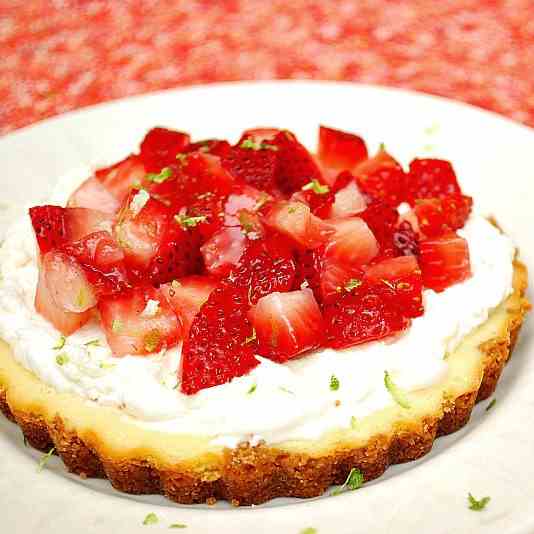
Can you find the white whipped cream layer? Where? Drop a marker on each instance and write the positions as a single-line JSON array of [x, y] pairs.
[[290, 401]]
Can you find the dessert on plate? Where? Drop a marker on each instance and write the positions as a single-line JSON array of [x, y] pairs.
[[242, 322]]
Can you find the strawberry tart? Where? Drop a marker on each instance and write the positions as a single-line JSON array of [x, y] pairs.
[[242, 322]]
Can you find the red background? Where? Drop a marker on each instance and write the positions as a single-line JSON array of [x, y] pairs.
[[60, 55]]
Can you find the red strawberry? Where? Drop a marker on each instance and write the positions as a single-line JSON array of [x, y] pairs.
[[178, 254], [348, 201], [438, 216], [121, 177], [223, 250], [382, 219], [296, 166], [139, 321], [92, 194], [160, 146], [287, 324], [259, 135], [244, 197], [294, 220], [140, 228], [66, 322], [49, 226], [102, 261], [81, 222], [381, 177], [319, 198], [217, 349], [67, 283], [431, 178], [186, 296], [340, 150], [208, 210], [444, 261], [335, 275]]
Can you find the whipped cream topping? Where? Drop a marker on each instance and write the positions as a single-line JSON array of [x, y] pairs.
[[274, 402]]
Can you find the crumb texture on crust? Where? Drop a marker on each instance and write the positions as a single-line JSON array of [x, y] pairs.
[[95, 441]]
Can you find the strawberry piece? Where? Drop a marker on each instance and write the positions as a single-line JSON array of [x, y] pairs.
[[102, 261], [361, 315], [223, 250], [430, 178], [66, 282], [81, 222], [186, 296], [340, 150], [209, 207], [381, 219], [217, 350], [160, 146], [259, 135], [320, 203], [334, 276], [405, 240], [444, 261], [178, 255], [296, 166], [65, 321], [140, 229], [294, 220], [49, 226], [121, 177], [243, 198], [139, 321], [438, 216], [403, 284], [381, 177], [92, 194], [287, 324], [348, 200], [257, 168]]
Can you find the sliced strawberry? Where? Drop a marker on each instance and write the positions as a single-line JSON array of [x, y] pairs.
[[381, 177], [140, 229], [444, 261], [121, 177], [81, 222], [340, 150], [431, 178], [352, 243], [438, 216], [139, 321], [92, 194], [319, 199], [178, 254], [67, 283], [348, 201], [217, 349], [294, 220], [382, 219], [49, 226], [160, 146], [336, 275], [360, 315], [102, 261], [208, 209], [186, 296], [259, 135], [244, 197], [65, 321], [296, 166], [287, 324], [223, 250]]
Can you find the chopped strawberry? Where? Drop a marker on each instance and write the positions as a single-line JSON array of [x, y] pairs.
[[139, 321], [430, 178], [223, 250], [444, 261], [361, 314], [438, 216], [335, 275], [208, 210], [186, 296], [294, 220], [348, 201], [160, 146], [318, 197], [49, 226], [381, 177], [406, 240], [121, 177], [353, 242], [67, 283], [259, 135], [81, 222], [287, 324], [66, 322], [92, 194], [381, 219], [340, 150], [102, 261], [244, 197], [140, 228], [178, 254], [296, 166], [218, 348]]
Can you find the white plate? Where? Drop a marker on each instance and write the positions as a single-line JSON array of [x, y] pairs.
[[492, 456]]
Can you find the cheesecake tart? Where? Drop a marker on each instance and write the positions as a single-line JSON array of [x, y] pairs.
[[250, 321]]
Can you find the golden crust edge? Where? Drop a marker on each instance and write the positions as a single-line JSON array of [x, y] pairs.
[[252, 475]]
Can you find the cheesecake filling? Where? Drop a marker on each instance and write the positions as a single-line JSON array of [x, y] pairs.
[[274, 402]]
